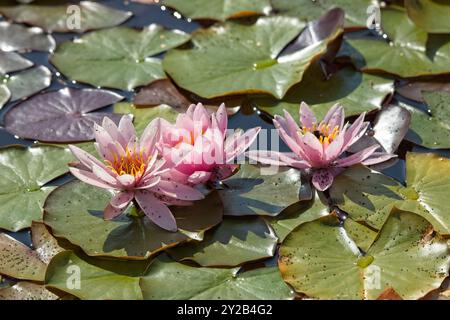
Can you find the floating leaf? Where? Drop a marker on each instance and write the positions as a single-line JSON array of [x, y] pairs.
[[405, 54], [321, 260], [388, 130], [18, 261], [98, 279], [287, 221], [118, 57], [26, 291], [248, 192], [15, 37], [219, 9], [4, 95], [74, 211], [164, 275], [24, 173], [143, 116], [165, 92], [11, 61], [431, 130], [234, 242], [346, 86], [46, 246], [28, 82], [61, 116], [55, 17], [369, 196], [232, 58], [429, 15], [355, 10]]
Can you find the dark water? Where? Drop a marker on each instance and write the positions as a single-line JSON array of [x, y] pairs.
[[143, 16]]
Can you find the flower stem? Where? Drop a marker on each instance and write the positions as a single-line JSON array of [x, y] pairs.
[[136, 210]]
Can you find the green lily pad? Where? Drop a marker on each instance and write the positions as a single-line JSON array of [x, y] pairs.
[[307, 10], [95, 279], [287, 221], [233, 58], [28, 82], [118, 57], [164, 275], [74, 211], [321, 260], [143, 116], [18, 261], [347, 87], [429, 15], [11, 61], [219, 9], [14, 37], [234, 242], [406, 54], [26, 291], [4, 95], [431, 130], [369, 196], [248, 192], [55, 17], [24, 173]]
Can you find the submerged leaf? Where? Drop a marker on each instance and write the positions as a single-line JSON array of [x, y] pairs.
[[26, 291]]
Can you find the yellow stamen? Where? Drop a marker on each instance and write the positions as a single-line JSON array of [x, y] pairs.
[[131, 163]]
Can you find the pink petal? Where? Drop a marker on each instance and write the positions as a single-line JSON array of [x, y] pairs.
[[104, 174], [156, 211], [335, 116], [313, 149], [307, 117], [149, 182], [122, 199], [90, 178], [177, 190], [335, 148], [277, 159], [242, 143], [110, 127], [378, 157], [356, 157], [150, 136], [322, 179], [291, 124], [295, 145], [111, 212], [199, 177], [222, 118], [85, 158], [127, 180], [355, 131], [126, 128]]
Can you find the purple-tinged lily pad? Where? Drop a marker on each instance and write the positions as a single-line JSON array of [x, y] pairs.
[[61, 116]]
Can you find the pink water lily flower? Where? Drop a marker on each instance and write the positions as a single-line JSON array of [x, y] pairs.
[[200, 140], [321, 147], [133, 169]]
